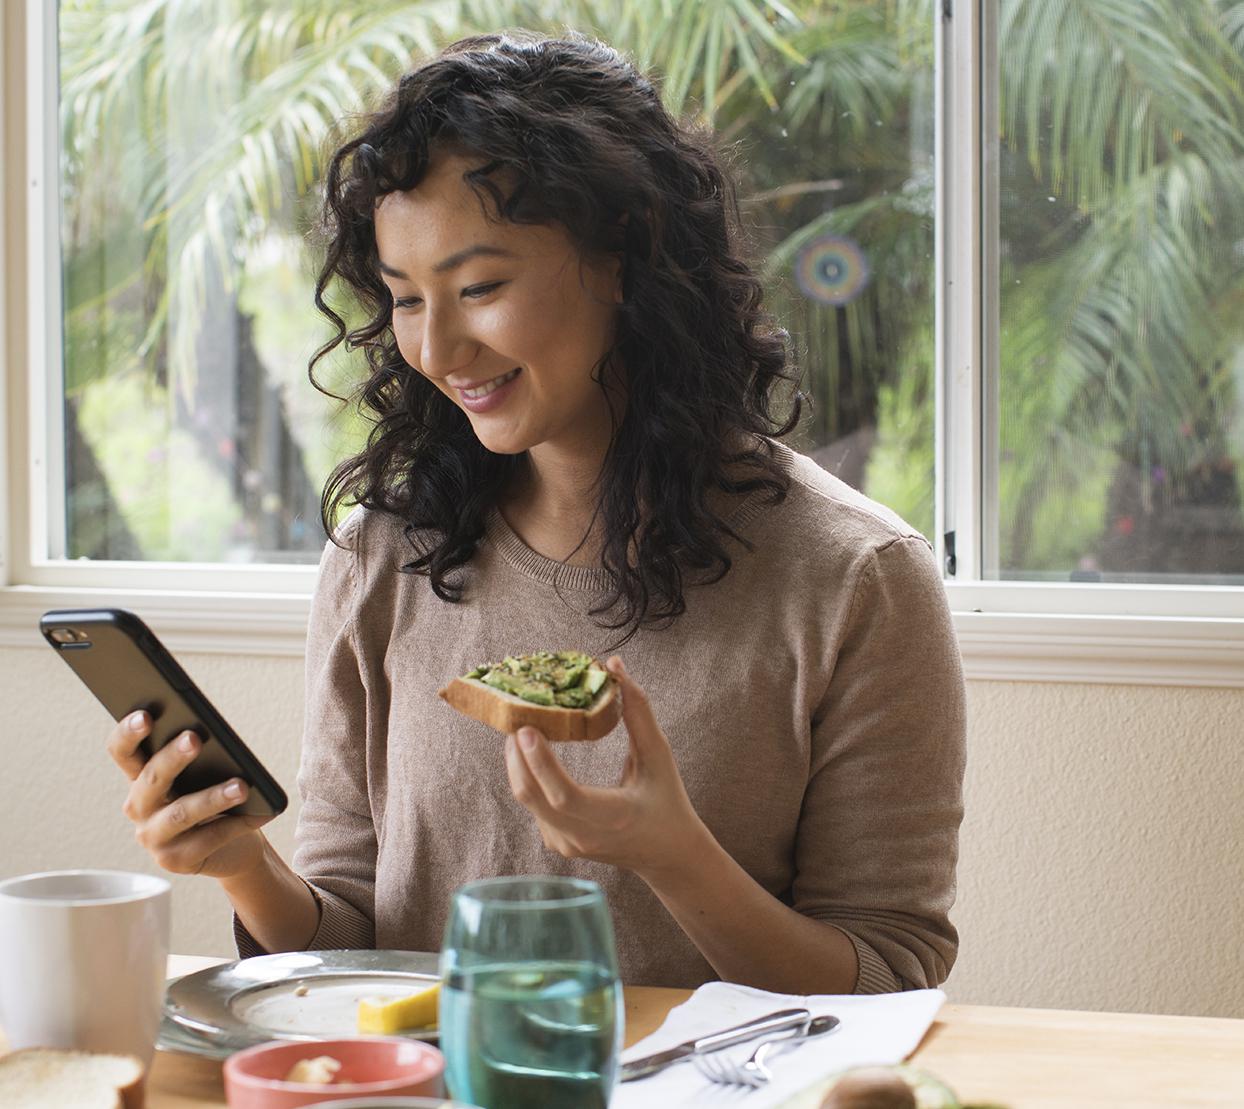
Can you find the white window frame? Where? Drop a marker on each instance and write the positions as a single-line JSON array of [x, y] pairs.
[[1151, 634], [1039, 631], [211, 606]]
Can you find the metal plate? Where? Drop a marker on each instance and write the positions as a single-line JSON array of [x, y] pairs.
[[300, 995], [173, 1037]]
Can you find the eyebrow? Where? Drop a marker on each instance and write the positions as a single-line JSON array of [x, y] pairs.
[[454, 260]]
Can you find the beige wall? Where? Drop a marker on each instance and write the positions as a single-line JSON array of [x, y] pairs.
[[1101, 864]]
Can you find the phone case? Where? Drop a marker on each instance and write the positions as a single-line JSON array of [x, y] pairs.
[[127, 668]]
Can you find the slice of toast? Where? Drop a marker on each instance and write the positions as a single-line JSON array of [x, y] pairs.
[[52, 1078], [507, 712]]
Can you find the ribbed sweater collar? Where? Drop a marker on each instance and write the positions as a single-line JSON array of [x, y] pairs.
[[593, 579], [585, 579]]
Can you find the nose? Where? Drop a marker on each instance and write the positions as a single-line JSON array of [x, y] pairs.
[[445, 345]]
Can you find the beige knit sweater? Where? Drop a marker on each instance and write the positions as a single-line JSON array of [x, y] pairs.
[[813, 699]]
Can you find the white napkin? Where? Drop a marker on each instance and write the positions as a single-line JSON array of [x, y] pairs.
[[876, 1029]]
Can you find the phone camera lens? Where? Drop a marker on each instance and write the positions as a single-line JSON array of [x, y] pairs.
[[67, 635]]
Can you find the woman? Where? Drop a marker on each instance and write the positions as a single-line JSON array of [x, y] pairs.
[[574, 391]]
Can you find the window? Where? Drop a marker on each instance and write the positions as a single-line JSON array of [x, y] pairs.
[[1006, 238], [1118, 281], [190, 141], [190, 145]]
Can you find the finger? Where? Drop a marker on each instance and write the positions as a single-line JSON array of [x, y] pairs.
[[187, 853], [647, 739], [123, 743], [186, 813], [523, 785], [150, 789], [560, 790], [545, 790]]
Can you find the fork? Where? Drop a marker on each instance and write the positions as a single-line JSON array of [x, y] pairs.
[[753, 1073]]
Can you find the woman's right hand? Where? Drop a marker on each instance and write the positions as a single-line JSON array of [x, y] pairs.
[[187, 834]]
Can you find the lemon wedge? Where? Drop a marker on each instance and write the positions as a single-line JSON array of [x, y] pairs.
[[383, 1016]]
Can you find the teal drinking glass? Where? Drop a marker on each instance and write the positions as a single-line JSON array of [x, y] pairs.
[[531, 1005]]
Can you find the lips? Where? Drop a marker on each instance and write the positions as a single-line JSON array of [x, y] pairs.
[[489, 394], [478, 392]]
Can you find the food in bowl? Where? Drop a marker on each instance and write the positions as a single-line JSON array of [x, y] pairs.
[[318, 1071], [257, 1078]]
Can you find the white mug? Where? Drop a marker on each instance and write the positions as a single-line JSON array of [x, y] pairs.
[[83, 959]]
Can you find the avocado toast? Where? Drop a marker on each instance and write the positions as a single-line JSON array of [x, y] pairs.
[[567, 695]]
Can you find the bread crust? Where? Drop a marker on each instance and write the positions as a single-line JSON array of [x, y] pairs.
[[508, 713], [130, 1094]]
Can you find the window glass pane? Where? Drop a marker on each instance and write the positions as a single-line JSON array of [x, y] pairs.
[[190, 143], [192, 137], [838, 191], [1120, 431]]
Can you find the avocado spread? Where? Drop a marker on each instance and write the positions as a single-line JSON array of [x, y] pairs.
[[568, 679]]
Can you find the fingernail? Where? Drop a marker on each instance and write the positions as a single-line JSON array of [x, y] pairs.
[[233, 790], [186, 742], [135, 722], [527, 738]]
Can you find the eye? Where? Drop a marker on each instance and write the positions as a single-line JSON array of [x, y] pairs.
[[477, 291], [405, 302]]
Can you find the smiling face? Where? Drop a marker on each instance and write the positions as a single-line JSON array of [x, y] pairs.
[[507, 320]]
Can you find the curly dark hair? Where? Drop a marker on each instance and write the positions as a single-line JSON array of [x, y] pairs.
[[586, 144]]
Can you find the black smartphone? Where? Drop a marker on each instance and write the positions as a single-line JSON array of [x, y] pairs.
[[127, 668]]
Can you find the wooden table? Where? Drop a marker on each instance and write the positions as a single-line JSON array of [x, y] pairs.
[[1022, 1058]]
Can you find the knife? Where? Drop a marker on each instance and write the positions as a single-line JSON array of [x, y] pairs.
[[740, 1033]]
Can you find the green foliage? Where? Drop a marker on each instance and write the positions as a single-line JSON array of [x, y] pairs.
[[1053, 467], [195, 131], [1129, 113], [273, 292], [854, 74], [177, 506], [1099, 91], [901, 465]]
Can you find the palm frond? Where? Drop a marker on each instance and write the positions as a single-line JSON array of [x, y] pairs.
[[263, 90], [263, 146], [1231, 20], [1136, 310], [704, 51], [1098, 91], [885, 224], [854, 76]]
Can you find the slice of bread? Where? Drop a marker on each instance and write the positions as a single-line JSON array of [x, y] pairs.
[[52, 1078], [507, 713]]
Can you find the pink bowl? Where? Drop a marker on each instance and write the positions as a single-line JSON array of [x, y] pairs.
[[370, 1066]]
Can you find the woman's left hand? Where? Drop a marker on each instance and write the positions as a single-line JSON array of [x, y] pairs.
[[646, 823]]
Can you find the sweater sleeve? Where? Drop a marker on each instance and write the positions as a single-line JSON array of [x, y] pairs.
[[335, 851], [878, 833]]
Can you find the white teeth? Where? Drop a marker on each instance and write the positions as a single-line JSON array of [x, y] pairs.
[[489, 387]]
